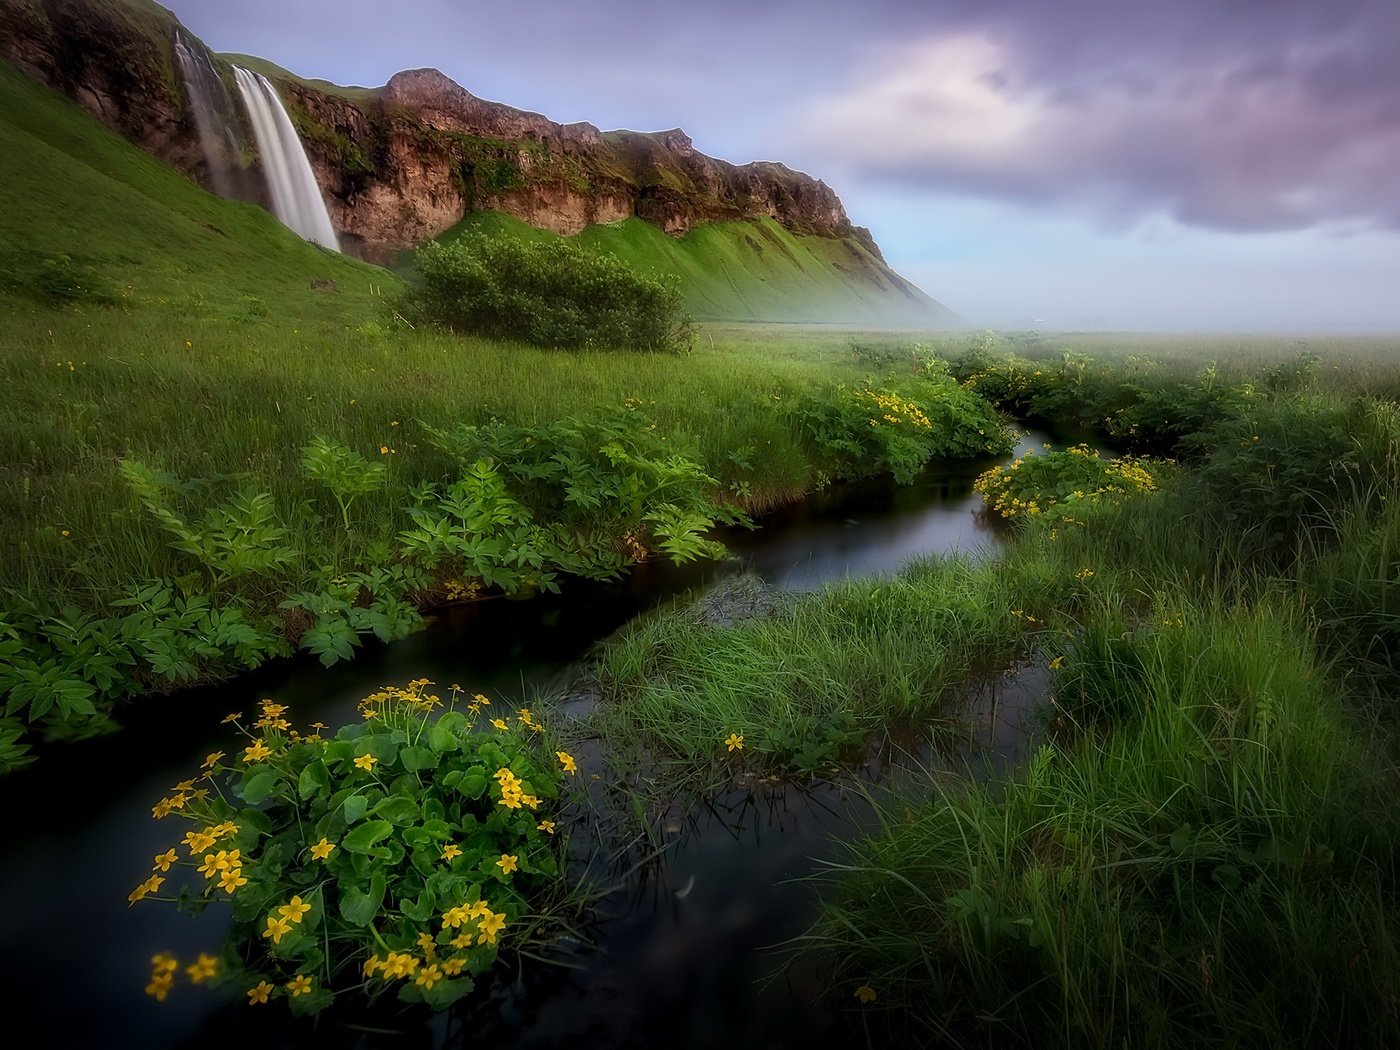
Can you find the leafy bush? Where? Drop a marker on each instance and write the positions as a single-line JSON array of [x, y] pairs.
[[1059, 484], [550, 294], [882, 430], [397, 856]]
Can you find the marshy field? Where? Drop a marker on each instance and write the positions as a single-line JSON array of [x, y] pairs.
[[370, 683]]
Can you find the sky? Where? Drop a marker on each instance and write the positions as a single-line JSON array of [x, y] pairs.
[[1058, 164]]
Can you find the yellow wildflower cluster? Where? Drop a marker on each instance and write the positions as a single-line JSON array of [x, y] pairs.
[[1030, 488], [227, 867], [473, 920], [414, 695], [513, 795], [476, 924], [288, 915], [892, 409], [164, 966]]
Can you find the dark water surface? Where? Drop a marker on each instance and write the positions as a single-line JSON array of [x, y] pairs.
[[680, 949]]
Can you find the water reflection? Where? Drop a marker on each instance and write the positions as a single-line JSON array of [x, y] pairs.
[[679, 956]]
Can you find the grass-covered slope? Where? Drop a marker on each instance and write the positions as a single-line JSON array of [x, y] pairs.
[[752, 270], [78, 203]]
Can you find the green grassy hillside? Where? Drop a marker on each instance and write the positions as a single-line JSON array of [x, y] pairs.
[[82, 206], [751, 270]]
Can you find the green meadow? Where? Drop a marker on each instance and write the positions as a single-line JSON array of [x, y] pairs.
[[207, 463]]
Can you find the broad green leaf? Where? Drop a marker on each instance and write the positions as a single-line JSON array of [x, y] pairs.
[[260, 787], [355, 807], [397, 810], [364, 838]]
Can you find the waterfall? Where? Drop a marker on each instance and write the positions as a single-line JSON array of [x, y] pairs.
[[296, 199], [212, 107]]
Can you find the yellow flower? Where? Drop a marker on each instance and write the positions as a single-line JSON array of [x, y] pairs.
[[164, 860], [150, 886], [164, 962], [299, 985], [366, 762], [160, 986], [383, 450], [294, 910], [454, 917], [508, 863], [429, 975], [491, 924], [1057, 663], [277, 928], [201, 969], [231, 880], [452, 967], [547, 826], [259, 993], [567, 761], [211, 760], [373, 963], [256, 752], [321, 850], [865, 993], [734, 741], [230, 718], [451, 852], [499, 723]]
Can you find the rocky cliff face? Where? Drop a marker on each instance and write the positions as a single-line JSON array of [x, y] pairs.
[[403, 163]]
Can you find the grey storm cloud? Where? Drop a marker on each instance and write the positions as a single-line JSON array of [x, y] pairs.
[[1244, 116], [1228, 114]]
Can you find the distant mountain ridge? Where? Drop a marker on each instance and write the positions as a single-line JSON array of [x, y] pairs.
[[406, 162]]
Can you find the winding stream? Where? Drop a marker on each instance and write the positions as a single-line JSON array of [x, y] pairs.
[[680, 951]]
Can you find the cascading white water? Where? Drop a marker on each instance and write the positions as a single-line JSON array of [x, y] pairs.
[[212, 109], [296, 199]]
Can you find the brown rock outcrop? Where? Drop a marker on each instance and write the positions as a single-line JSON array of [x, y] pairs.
[[403, 163]]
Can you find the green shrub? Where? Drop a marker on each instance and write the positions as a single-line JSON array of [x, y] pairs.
[[884, 430], [396, 857], [1059, 484], [550, 294]]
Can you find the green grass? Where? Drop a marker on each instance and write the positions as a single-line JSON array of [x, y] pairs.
[[750, 270], [1212, 867], [810, 682], [273, 71]]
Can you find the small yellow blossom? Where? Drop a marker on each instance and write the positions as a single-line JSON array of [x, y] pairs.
[[547, 826], [159, 987], [164, 962], [259, 993], [230, 718], [231, 880], [211, 760], [452, 967], [429, 975], [277, 928], [203, 968], [164, 860], [499, 723], [567, 761], [1057, 663], [491, 924], [151, 885], [865, 993], [256, 752], [321, 850], [508, 863], [451, 852], [299, 985], [294, 910], [366, 762], [734, 741]]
